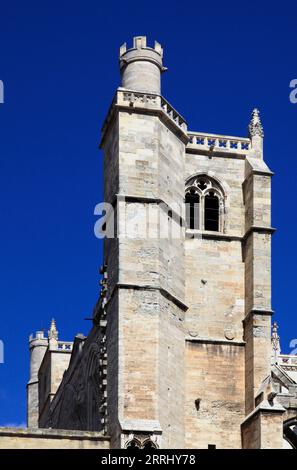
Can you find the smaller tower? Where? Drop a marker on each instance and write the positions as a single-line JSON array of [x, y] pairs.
[[141, 66], [38, 346]]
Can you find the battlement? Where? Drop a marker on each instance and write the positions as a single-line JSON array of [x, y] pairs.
[[38, 335], [140, 51], [51, 340]]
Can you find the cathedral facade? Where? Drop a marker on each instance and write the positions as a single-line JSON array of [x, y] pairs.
[[182, 353]]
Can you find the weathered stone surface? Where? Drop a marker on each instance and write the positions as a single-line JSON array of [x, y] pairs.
[[180, 350], [215, 376]]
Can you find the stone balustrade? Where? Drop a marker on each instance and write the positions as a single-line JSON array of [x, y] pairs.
[[197, 140], [173, 114], [287, 360], [65, 346], [219, 143], [140, 99]]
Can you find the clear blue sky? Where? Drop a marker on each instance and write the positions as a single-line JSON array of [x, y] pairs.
[[59, 65]]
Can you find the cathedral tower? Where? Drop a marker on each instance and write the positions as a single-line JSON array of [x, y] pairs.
[[144, 141], [179, 355], [188, 316]]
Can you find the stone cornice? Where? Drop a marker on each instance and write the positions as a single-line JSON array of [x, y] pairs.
[[53, 433], [258, 229], [226, 237], [148, 287], [258, 173], [198, 234], [214, 153], [264, 407], [257, 311], [140, 425], [149, 200]]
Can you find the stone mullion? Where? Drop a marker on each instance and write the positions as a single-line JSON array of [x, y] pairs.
[[202, 224]]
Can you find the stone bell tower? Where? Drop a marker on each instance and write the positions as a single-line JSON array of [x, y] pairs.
[[143, 140], [188, 316], [179, 355]]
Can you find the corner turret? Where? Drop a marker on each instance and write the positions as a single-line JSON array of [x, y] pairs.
[[141, 66], [38, 346]]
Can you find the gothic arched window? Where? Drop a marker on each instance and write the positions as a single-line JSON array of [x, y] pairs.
[[133, 444], [148, 444], [136, 444], [204, 204]]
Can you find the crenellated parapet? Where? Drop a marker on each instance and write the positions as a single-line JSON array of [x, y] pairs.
[[172, 307]]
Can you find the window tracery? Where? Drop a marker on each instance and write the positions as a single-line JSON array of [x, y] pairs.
[[204, 204]]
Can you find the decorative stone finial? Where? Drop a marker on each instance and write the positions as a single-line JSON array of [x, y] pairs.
[[275, 342], [255, 125], [53, 332]]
